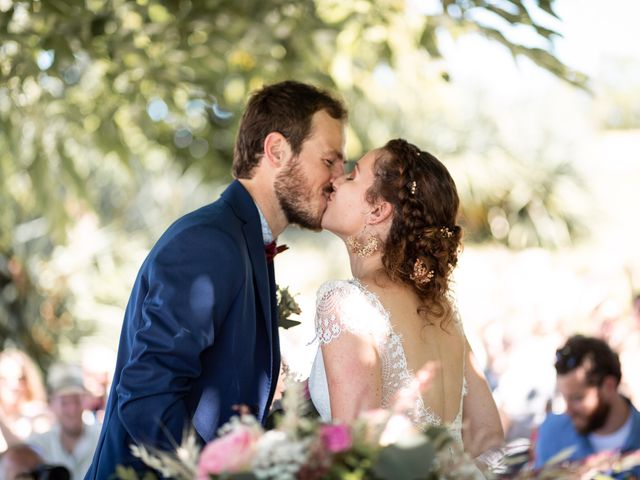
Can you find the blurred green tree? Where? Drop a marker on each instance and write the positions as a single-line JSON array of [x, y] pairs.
[[98, 98]]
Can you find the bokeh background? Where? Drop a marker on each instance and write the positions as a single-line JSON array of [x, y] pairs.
[[117, 117]]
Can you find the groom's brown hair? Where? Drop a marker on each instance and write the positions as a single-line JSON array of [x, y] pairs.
[[285, 107]]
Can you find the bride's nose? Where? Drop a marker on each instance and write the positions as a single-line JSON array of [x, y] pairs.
[[339, 181]]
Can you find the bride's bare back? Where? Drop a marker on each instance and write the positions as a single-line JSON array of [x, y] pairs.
[[363, 363], [426, 342]]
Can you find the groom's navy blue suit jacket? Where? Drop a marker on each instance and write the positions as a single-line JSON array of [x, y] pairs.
[[200, 334]]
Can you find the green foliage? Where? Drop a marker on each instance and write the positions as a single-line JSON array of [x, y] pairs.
[[128, 473], [102, 103], [402, 463], [471, 15], [35, 320], [287, 306], [522, 200]]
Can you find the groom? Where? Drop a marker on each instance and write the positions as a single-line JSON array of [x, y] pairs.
[[200, 333]]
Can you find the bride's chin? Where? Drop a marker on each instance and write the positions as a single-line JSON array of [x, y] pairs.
[[327, 225]]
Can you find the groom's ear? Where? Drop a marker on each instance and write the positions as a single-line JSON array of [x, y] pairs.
[[380, 212], [276, 149]]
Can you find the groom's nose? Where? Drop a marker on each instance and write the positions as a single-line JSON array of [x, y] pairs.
[[337, 170]]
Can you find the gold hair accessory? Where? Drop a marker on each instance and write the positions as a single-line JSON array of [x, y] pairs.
[[420, 273], [445, 232], [364, 249], [413, 187]]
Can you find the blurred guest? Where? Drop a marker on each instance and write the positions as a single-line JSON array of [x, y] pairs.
[[97, 369], [23, 403], [17, 461], [496, 345], [22, 462], [635, 310], [70, 442], [608, 319], [597, 418], [630, 351], [523, 400]]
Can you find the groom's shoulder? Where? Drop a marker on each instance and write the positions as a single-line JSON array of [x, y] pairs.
[[216, 215], [227, 213], [209, 224]]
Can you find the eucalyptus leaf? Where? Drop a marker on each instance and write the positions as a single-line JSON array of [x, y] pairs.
[[405, 463]]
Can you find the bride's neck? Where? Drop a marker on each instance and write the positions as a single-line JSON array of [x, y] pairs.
[[363, 268]]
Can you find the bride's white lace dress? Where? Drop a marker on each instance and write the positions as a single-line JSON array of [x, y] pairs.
[[348, 305]]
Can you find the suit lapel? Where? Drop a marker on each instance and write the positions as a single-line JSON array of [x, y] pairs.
[[244, 207], [275, 321]]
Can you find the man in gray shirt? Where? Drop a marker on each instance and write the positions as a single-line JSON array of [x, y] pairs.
[[70, 442]]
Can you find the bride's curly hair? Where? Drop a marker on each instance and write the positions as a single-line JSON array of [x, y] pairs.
[[423, 243]]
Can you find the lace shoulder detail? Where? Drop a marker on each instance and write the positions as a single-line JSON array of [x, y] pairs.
[[342, 305]]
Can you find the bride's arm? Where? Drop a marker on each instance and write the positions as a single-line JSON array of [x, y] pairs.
[[352, 368], [482, 430]]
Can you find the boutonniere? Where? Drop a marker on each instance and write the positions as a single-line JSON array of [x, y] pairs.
[[287, 306]]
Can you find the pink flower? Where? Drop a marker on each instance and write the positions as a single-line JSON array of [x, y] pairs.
[[335, 438], [305, 392], [230, 453]]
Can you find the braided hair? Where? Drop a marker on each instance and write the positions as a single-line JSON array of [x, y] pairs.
[[423, 243]]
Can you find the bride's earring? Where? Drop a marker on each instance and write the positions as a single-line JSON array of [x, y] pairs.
[[364, 249]]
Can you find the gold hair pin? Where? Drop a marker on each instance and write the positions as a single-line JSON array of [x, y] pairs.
[[420, 273]]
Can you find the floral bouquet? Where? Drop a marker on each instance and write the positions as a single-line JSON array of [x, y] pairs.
[[380, 444]]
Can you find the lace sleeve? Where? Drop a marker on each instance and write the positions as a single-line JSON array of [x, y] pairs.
[[340, 306]]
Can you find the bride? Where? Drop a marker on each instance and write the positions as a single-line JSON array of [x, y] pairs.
[[396, 212]]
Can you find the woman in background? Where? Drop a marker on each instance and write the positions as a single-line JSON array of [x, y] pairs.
[[23, 399]]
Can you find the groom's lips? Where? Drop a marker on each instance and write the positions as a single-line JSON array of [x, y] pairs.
[[328, 192]]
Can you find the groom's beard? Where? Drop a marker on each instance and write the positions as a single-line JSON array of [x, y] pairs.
[[295, 197], [595, 420]]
